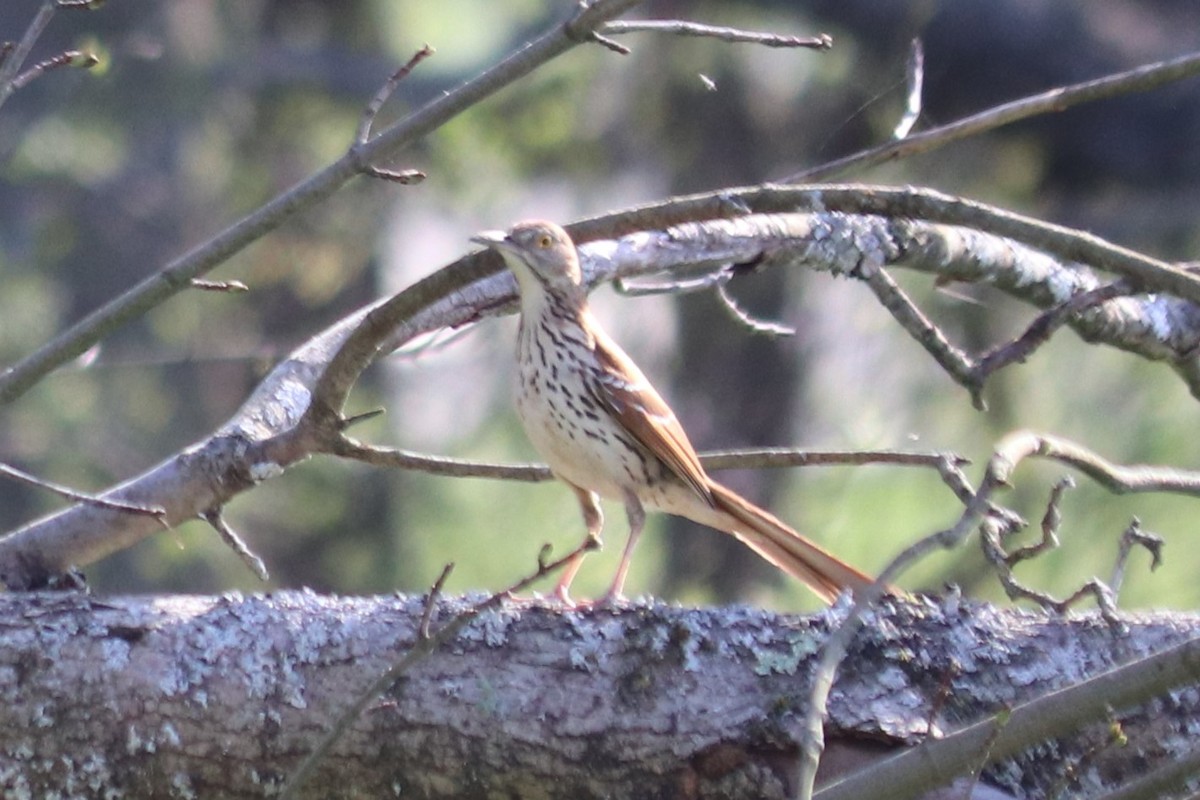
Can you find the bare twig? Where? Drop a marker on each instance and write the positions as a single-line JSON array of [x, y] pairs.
[[1118, 479], [15, 57], [1009, 452], [752, 323], [68, 58], [991, 540], [680, 28], [219, 286], [436, 465], [608, 44], [1039, 331], [385, 92], [432, 598], [970, 373], [1139, 79], [833, 651], [79, 497], [1134, 535], [228, 535], [425, 645], [404, 177], [644, 288], [356, 419], [178, 274], [947, 464], [915, 76], [1051, 522], [897, 302]]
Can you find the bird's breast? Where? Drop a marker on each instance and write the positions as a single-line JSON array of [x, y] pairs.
[[566, 423]]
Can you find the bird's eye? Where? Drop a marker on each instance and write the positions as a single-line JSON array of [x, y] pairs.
[[544, 240]]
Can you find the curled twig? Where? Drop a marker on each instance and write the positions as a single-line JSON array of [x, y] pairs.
[[1009, 452], [1134, 535], [752, 323]]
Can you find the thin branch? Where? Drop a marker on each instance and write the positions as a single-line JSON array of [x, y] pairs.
[[392, 458], [421, 649], [1051, 523], [67, 58], [607, 43], [1116, 478], [749, 321], [432, 598], [404, 177], [358, 419], [991, 541], [1040, 330], [1134, 535], [646, 288], [219, 286], [179, 273], [385, 93], [1139, 79], [1009, 452], [837, 644], [15, 57], [912, 319], [947, 464], [915, 76], [79, 497], [235, 542], [680, 28]]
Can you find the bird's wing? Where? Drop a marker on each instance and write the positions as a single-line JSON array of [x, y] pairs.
[[628, 395]]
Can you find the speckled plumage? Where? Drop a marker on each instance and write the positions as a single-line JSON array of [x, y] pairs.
[[603, 429]]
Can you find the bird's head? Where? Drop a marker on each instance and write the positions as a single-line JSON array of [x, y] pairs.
[[540, 254]]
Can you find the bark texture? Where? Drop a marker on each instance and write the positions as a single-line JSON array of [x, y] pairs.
[[222, 696]]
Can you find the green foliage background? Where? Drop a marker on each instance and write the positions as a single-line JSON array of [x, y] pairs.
[[202, 111]]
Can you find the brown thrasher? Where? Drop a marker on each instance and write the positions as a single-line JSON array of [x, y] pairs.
[[604, 430]]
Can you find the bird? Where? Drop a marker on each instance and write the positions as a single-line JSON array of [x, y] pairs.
[[603, 429]]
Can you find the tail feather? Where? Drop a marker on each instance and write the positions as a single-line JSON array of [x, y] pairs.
[[796, 555]]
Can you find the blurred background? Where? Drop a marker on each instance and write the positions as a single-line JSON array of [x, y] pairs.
[[202, 111]]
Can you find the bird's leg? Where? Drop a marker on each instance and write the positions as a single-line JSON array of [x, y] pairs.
[[593, 519], [637, 520]]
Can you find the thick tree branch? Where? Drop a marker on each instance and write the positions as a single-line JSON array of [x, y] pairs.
[[157, 697], [297, 410]]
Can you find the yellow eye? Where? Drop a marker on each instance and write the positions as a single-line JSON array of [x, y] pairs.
[[544, 241]]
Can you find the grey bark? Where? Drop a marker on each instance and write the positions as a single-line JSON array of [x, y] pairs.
[[222, 696]]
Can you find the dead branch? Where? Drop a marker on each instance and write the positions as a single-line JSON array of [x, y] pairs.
[[178, 691]]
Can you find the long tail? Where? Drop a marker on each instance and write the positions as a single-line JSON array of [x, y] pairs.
[[796, 555]]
